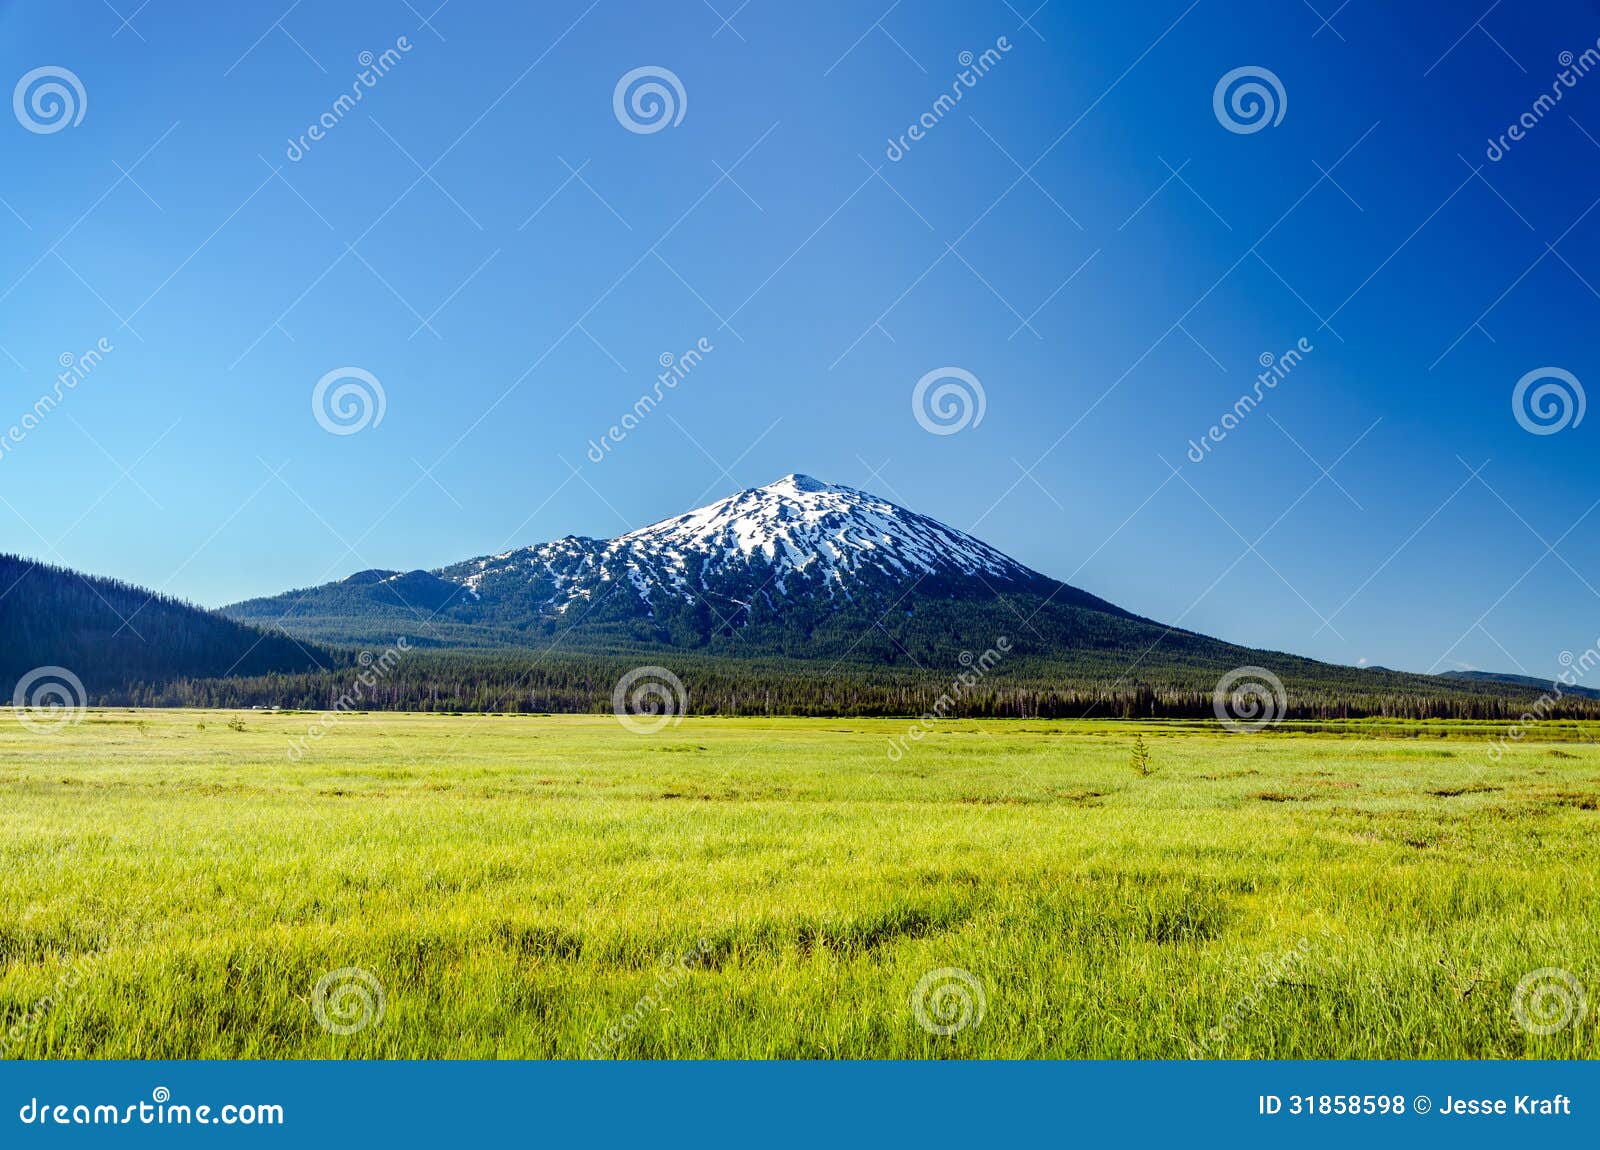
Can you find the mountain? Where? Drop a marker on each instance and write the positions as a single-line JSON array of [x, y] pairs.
[[109, 634], [802, 597], [809, 596], [800, 572], [1534, 684], [801, 538], [797, 569], [796, 598]]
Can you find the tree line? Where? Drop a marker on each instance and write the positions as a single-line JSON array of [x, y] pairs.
[[505, 682]]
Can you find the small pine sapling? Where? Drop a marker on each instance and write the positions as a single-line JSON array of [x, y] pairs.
[[1139, 760]]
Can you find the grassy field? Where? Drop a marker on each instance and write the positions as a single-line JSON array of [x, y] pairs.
[[176, 887]]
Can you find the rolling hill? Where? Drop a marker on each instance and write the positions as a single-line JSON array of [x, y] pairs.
[[110, 634]]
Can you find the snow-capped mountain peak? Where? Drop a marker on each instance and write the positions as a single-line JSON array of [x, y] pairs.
[[762, 541], [803, 523]]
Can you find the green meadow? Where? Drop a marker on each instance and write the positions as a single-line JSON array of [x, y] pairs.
[[176, 885]]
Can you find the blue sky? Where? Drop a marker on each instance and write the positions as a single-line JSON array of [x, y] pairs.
[[486, 238]]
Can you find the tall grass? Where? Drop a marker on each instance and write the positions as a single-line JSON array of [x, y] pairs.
[[174, 888]]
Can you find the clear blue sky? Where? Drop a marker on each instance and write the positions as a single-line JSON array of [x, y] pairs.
[[189, 459]]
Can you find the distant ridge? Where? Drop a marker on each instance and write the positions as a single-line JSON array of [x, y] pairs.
[[1528, 681]]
